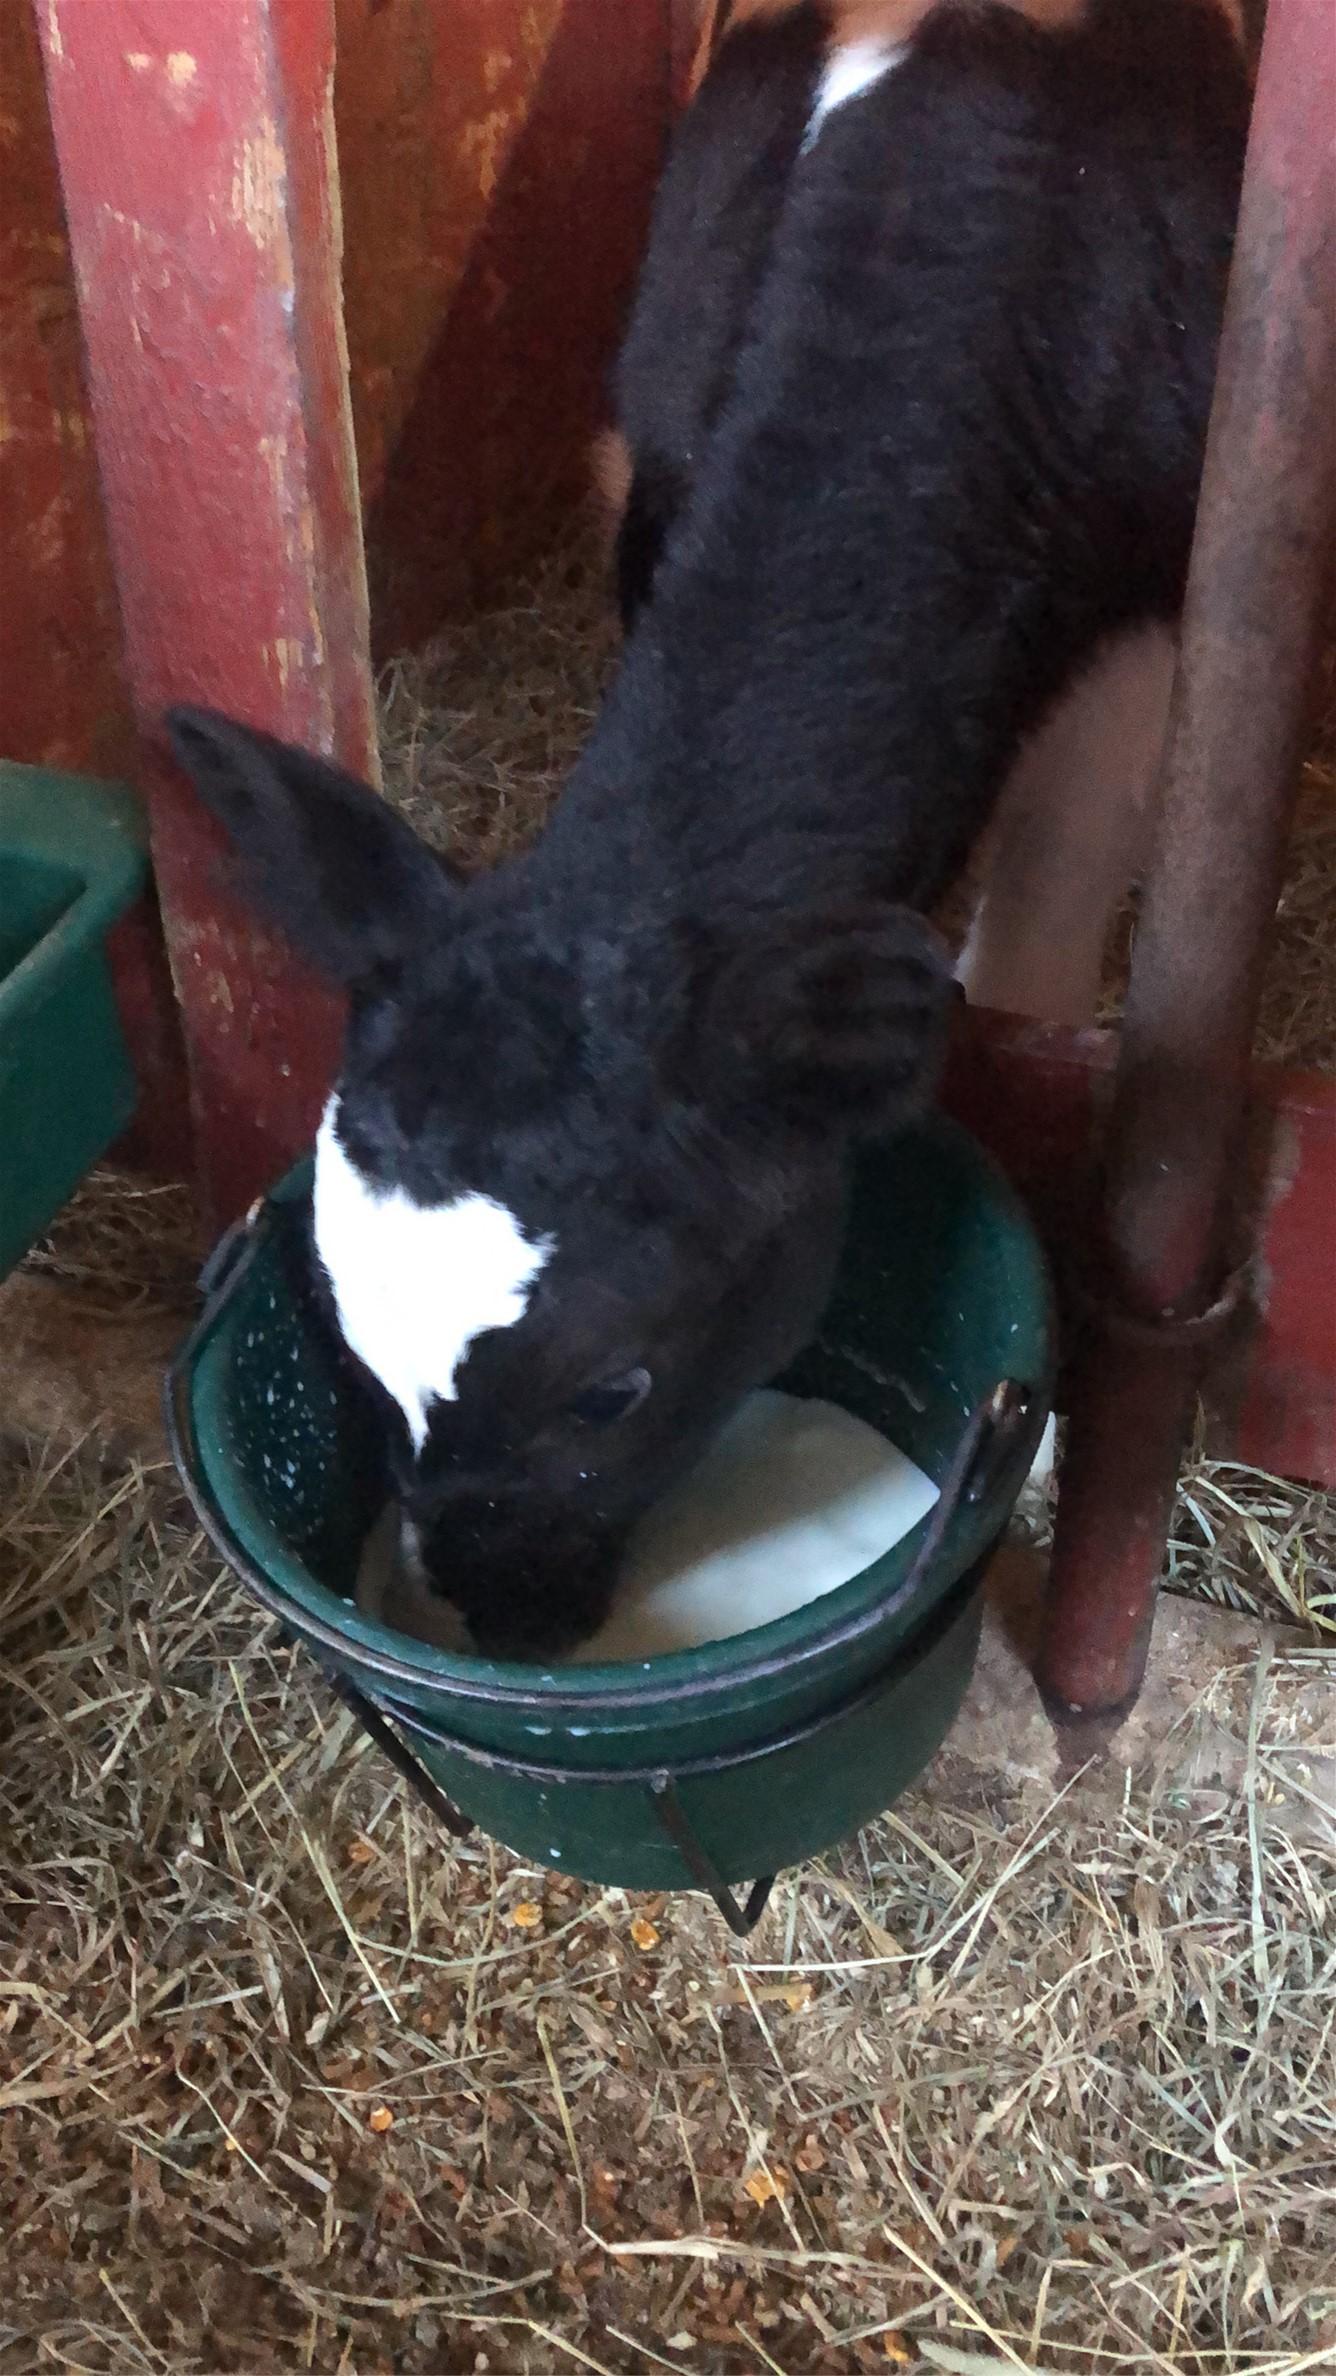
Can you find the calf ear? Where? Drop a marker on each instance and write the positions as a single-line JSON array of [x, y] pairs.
[[349, 882], [837, 1020]]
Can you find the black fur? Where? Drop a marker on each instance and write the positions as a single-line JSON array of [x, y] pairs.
[[940, 434], [714, 218], [961, 448], [387, 890]]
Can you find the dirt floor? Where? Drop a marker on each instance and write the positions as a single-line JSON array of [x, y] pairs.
[[1020, 2079]]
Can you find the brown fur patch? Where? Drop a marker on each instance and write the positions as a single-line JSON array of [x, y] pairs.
[[875, 20], [883, 20], [610, 468], [745, 12], [896, 20]]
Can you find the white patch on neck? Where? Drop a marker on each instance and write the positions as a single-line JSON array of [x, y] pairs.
[[849, 72], [415, 1284]]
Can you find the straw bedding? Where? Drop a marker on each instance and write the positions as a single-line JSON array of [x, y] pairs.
[[288, 2081]]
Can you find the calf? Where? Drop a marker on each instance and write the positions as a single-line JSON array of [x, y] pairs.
[[714, 217], [581, 1180]]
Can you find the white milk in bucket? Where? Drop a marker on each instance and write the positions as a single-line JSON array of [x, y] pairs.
[[792, 1499]]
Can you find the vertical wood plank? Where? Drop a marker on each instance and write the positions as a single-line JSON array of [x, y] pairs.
[[548, 119], [61, 701], [196, 157]]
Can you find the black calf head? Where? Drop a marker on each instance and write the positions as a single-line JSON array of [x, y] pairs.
[[579, 1185]]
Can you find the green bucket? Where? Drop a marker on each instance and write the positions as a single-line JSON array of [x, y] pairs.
[[710, 1766], [73, 858]]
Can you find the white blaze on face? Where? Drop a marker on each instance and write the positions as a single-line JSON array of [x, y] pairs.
[[415, 1284], [849, 72]]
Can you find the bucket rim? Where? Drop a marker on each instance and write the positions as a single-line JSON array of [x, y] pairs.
[[795, 1733]]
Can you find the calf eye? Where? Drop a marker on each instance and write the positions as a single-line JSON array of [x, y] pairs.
[[612, 1398]]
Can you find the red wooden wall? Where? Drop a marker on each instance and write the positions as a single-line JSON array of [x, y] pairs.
[[61, 698], [496, 160], [495, 164]]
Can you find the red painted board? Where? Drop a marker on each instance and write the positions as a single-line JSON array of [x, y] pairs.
[[1284, 1399], [1035, 1094], [430, 104], [62, 704], [160, 1139], [196, 157], [492, 444]]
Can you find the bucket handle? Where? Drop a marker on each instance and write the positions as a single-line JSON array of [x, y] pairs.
[[740, 1916], [386, 1724], [984, 1446]]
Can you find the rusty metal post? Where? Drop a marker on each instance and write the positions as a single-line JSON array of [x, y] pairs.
[[1266, 536]]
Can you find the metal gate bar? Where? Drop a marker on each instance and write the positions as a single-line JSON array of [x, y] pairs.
[[1174, 1212]]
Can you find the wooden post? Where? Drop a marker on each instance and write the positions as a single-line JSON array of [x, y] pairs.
[[528, 136], [197, 161]]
